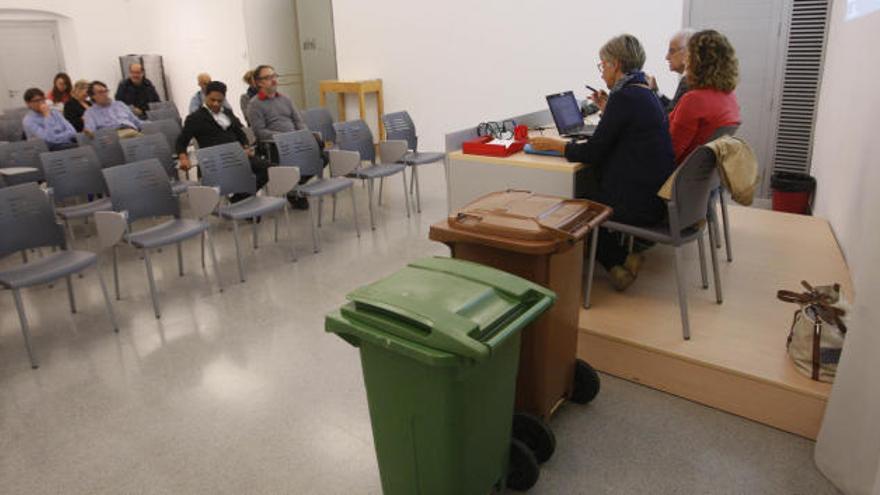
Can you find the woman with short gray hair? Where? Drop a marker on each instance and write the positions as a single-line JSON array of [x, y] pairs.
[[630, 153]]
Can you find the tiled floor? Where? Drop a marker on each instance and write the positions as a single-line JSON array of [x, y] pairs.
[[243, 392]]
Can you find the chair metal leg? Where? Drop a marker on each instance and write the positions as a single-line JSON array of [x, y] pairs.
[[24, 258], [630, 243], [591, 267], [354, 212], [289, 232], [276, 227], [110, 313], [370, 202], [70, 295], [333, 217], [214, 260], [320, 210], [152, 281], [254, 228], [714, 254], [412, 180], [238, 250], [25, 331], [682, 295], [70, 230], [202, 238], [180, 259], [726, 226], [382, 189], [313, 223], [415, 179], [717, 242], [115, 274], [702, 248], [405, 196]]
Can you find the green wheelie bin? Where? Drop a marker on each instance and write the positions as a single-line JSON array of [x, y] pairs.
[[439, 342]]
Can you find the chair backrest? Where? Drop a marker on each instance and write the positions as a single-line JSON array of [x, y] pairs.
[[399, 125], [227, 166], [11, 129], [163, 114], [159, 105], [27, 219], [16, 113], [73, 172], [691, 188], [23, 154], [355, 135], [243, 101], [149, 146], [142, 189], [170, 128], [107, 147], [319, 120], [299, 149]]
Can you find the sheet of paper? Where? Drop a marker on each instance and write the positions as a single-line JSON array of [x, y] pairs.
[[501, 142]]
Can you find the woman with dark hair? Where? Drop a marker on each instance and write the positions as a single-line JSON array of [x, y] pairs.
[[712, 71], [630, 153], [60, 92]]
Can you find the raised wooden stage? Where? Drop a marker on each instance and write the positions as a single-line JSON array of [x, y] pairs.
[[736, 359]]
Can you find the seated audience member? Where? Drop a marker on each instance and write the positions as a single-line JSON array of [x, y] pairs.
[[252, 90], [675, 56], [137, 91], [106, 112], [198, 99], [712, 72], [630, 151], [214, 124], [46, 123], [270, 112], [76, 107], [60, 92]]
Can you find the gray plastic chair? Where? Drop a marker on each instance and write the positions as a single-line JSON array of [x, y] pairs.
[[169, 128], [75, 173], [106, 145], [164, 114], [299, 149], [227, 168], [16, 113], [319, 120], [27, 221], [399, 125], [687, 218], [20, 161], [141, 190], [11, 129], [354, 135], [155, 146], [159, 105], [718, 192]]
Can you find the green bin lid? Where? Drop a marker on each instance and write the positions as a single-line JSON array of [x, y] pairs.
[[441, 304]]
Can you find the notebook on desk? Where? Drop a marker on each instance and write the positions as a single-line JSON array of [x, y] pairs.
[[532, 151], [567, 116]]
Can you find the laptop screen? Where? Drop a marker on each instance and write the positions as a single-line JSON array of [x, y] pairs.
[[565, 110]]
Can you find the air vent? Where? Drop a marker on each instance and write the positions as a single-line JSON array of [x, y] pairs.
[[800, 86]]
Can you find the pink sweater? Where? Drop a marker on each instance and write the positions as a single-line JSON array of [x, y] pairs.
[[696, 117]]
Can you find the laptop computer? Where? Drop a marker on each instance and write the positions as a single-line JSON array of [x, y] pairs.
[[567, 116]]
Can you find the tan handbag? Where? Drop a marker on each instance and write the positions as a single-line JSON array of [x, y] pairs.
[[817, 330]]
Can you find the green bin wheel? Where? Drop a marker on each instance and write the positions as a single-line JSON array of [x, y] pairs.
[[586, 383], [523, 471], [534, 432]]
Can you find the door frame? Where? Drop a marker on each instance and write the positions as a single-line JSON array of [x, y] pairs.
[[783, 28], [53, 25]]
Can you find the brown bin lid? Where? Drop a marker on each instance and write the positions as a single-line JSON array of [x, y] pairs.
[[522, 221]]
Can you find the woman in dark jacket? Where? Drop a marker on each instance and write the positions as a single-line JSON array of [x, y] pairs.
[[77, 105], [630, 152]]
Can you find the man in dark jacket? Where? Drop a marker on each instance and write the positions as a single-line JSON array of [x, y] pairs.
[[137, 91], [214, 124]]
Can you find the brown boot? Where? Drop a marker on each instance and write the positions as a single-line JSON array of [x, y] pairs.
[[633, 263], [621, 278]]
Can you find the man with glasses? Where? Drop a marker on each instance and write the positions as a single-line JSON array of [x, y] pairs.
[[137, 91], [270, 112], [46, 123], [675, 56], [107, 112]]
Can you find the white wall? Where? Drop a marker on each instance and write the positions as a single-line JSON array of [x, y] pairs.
[[456, 63], [192, 36], [846, 163]]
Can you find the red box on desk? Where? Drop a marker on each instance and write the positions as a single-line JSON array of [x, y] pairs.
[[481, 146]]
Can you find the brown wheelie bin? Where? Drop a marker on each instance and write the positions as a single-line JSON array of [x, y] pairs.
[[539, 238]]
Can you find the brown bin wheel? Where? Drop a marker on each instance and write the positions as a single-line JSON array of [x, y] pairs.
[[586, 383], [522, 470], [534, 432]]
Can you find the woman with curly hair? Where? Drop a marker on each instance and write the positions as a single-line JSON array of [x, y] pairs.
[[712, 72], [61, 87]]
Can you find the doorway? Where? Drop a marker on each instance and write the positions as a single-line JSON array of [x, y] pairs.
[[31, 57]]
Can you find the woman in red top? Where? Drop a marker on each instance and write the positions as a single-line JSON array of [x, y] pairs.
[[712, 72], [61, 87]]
